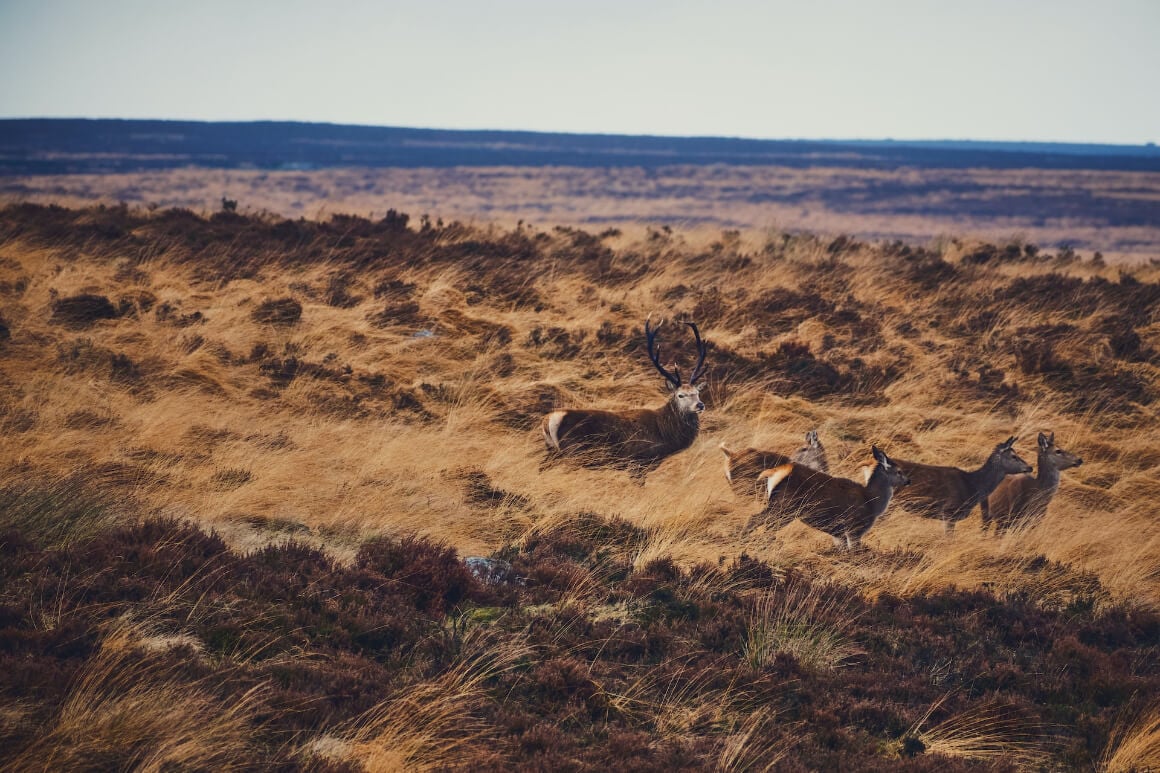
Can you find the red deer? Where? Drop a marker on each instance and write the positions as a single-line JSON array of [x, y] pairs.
[[812, 454], [1022, 500], [743, 468], [639, 438], [950, 494], [841, 508]]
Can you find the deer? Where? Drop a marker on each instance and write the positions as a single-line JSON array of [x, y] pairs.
[[743, 468], [843, 509], [812, 454], [639, 438], [1022, 500], [949, 493]]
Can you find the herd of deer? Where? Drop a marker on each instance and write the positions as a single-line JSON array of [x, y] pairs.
[[800, 485]]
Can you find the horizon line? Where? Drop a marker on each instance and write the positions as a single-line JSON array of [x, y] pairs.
[[647, 135]]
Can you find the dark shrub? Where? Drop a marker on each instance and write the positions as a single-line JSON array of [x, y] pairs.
[[428, 574], [280, 311], [81, 311]]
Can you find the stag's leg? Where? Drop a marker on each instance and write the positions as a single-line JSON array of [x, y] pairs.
[[839, 542], [986, 511], [949, 528]]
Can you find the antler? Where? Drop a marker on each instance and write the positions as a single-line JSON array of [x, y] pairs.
[[654, 354], [701, 350]]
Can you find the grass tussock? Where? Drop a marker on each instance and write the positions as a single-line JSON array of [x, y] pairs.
[[809, 624], [1134, 743], [283, 440], [132, 707]]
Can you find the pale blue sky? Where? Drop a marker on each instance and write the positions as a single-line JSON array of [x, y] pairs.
[[1067, 70]]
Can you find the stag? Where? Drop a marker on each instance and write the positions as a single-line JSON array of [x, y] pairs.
[[1021, 499], [842, 508], [638, 438]]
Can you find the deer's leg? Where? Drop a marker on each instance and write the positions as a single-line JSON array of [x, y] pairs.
[[754, 521], [986, 511], [949, 528]]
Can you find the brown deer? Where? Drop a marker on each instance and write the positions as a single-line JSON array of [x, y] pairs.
[[743, 468], [1022, 500], [950, 494], [842, 508], [638, 438], [812, 454]]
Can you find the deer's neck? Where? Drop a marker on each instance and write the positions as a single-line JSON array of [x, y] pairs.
[[880, 492], [986, 479], [1047, 476]]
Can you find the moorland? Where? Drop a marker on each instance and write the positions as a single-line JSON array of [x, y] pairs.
[[1087, 198], [246, 457]]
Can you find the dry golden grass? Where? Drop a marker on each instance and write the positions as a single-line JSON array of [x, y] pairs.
[[985, 731], [430, 724], [204, 436], [130, 708], [809, 625], [200, 427], [1135, 743]]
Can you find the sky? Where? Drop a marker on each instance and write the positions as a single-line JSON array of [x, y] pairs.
[[1044, 70]]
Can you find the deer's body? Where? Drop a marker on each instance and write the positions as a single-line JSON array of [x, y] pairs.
[[1023, 499], [642, 435], [743, 468], [841, 508], [639, 438], [949, 493]]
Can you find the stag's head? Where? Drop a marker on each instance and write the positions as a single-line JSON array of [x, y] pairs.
[[686, 396], [1009, 461]]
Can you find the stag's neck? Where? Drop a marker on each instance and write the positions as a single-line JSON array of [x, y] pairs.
[[678, 427], [880, 491], [1047, 476], [986, 479]]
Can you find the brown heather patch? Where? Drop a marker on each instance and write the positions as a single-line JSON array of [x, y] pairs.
[[334, 412]]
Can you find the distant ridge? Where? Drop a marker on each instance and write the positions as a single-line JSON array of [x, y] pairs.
[[70, 146]]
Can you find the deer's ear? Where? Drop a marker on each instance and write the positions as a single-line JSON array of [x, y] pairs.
[[1044, 441], [880, 457], [1006, 444]]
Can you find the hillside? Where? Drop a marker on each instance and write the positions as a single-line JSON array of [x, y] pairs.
[[79, 146], [246, 456], [1089, 198]]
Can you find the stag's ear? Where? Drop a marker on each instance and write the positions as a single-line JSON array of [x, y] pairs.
[[1051, 438], [812, 437], [1044, 441], [880, 457]]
